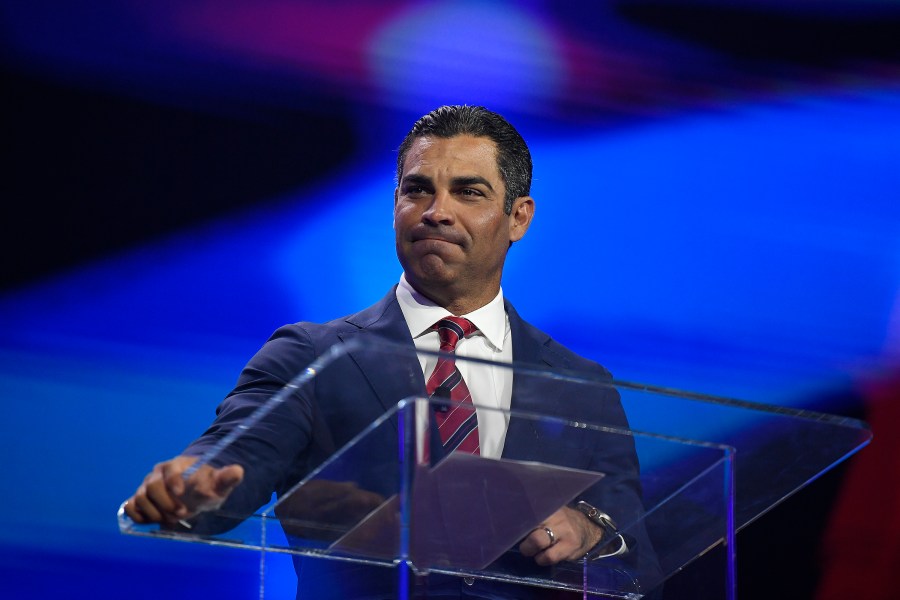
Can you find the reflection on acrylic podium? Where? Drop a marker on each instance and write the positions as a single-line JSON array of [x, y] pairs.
[[684, 475]]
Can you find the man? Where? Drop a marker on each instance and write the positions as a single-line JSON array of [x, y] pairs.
[[462, 199]]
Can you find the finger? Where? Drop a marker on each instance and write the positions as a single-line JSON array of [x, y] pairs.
[[575, 537], [552, 555], [146, 508], [208, 488], [226, 479], [564, 548], [362, 501], [132, 512], [172, 472], [535, 542], [333, 491], [161, 497], [369, 501]]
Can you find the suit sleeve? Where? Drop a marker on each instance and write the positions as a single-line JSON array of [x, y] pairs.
[[619, 493], [267, 452]]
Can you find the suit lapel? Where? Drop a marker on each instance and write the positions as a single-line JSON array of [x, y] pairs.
[[530, 393], [386, 355]]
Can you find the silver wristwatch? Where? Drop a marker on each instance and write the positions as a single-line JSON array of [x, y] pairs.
[[612, 543]]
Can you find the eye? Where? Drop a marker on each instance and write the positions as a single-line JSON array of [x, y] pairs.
[[414, 191], [471, 192]]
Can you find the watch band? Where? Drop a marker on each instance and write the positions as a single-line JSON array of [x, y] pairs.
[[612, 543]]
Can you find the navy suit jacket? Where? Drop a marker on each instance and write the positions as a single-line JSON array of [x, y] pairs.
[[360, 386]]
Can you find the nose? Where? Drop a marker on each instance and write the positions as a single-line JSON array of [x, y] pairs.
[[439, 211]]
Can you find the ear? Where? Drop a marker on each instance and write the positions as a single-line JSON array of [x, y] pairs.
[[520, 217]]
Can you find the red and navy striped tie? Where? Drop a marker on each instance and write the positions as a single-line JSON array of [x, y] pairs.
[[458, 426]]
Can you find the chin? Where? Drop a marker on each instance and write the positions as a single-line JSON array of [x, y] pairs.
[[427, 278], [433, 278]]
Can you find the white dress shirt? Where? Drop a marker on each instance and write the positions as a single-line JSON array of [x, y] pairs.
[[490, 386]]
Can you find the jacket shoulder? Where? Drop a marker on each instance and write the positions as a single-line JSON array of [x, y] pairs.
[[551, 352]]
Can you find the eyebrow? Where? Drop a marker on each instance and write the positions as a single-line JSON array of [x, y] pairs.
[[463, 181], [471, 180], [416, 180]]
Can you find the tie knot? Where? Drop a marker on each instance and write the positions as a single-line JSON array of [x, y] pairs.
[[453, 329]]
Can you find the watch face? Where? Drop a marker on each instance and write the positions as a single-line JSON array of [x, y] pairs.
[[616, 543], [594, 514]]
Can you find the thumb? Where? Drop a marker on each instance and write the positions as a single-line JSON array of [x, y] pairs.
[[227, 478]]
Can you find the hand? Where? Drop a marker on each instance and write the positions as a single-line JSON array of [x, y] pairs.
[[573, 536], [166, 498], [325, 510]]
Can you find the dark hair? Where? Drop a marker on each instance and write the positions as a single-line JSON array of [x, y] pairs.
[[513, 157]]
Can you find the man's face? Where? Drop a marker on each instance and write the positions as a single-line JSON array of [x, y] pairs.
[[451, 231]]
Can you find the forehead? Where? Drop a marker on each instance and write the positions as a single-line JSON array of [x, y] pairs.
[[461, 155]]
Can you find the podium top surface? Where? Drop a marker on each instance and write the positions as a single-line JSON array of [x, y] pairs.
[[678, 472]]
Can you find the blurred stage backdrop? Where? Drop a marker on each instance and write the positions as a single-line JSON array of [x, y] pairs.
[[718, 209]]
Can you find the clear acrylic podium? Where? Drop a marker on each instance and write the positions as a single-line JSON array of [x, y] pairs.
[[679, 480]]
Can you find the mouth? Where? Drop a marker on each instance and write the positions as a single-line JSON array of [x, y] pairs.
[[433, 245], [432, 236], [433, 239]]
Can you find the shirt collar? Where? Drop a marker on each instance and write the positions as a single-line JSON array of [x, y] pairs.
[[421, 314]]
